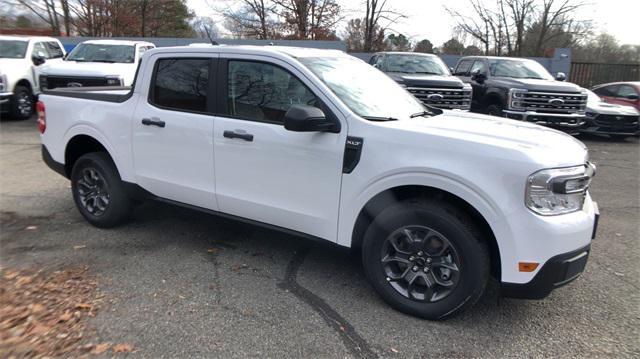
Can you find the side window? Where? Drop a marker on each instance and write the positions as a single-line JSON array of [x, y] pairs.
[[463, 68], [54, 50], [40, 50], [263, 92], [478, 65], [626, 91], [181, 84], [380, 62], [373, 59]]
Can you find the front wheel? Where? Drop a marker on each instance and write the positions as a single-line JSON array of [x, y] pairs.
[[98, 191], [425, 258], [495, 110], [22, 105]]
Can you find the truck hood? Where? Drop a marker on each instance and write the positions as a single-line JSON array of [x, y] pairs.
[[75, 68], [423, 80], [542, 145], [537, 85], [604, 108]]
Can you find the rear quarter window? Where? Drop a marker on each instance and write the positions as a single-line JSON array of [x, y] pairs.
[[463, 68], [181, 84]]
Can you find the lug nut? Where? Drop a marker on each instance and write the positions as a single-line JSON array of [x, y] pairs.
[[445, 277], [388, 279], [426, 269], [420, 253], [429, 260], [415, 268], [412, 258]]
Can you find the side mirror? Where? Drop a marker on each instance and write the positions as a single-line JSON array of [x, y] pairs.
[[478, 76], [633, 97], [38, 60], [305, 118], [560, 76], [451, 69]]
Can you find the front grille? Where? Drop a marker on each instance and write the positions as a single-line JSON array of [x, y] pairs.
[[549, 102], [444, 98], [64, 81], [617, 121]]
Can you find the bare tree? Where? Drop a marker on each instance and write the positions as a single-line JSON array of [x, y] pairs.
[[556, 15], [253, 18], [206, 28], [309, 19], [46, 10], [377, 12]]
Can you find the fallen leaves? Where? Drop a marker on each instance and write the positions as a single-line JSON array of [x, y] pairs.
[[122, 348], [79, 247], [214, 250], [100, 348], [41, 314]]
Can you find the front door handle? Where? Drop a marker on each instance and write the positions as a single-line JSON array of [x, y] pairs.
[[243, 136], [153, 122]]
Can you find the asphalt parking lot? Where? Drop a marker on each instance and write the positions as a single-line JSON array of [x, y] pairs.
[[178, 283]]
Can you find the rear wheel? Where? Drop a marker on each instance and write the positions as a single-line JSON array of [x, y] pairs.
[[22, 105], [98, 191], [426, 258]]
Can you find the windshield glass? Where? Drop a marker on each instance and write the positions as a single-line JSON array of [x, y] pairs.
[[416, 64], [13, 49], [521, 69], [365, 90], [102, 53]]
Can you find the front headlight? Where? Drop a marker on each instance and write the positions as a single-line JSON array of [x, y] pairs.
[[558, 190], [114, 81], [516, 98]]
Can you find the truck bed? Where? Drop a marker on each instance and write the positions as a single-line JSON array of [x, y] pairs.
[[106, 94]]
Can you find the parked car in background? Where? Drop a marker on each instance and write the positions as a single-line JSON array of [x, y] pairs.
[[20, 57], [426, 77], [522, 89], [96, 63], [320, 144], [621, 93], [617, 121]]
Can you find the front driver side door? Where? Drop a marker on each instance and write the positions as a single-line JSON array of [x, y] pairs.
[[263, 171]]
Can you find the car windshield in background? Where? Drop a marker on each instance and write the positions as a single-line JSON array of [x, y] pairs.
[[521, 69], [13, 49], [103, 53], [365, 90], [416, 64]]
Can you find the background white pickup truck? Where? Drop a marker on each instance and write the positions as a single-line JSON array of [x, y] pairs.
[[96, 63], [318, 143], [20, 58]]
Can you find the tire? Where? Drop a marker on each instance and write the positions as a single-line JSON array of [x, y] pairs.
[[495, 110], [22, 104], [98, 191], [438, 224]]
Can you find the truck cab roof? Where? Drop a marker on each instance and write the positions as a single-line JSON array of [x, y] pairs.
[[27, 38], [118, 42], [289, 51]]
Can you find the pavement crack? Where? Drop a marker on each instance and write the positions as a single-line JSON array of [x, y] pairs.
[[354, 343]]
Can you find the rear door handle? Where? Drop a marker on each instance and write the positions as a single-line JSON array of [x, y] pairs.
[[243, 136], [153, 122]]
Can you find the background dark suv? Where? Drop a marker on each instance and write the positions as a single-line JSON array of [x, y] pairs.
[[523, 89]]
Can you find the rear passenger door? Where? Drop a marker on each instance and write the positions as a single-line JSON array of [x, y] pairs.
[[263, 171], [173, 130]]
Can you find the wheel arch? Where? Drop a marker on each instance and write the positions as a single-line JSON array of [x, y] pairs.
[[382, 200], [79, 145]]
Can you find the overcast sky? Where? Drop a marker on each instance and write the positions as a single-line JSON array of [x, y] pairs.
[[429, 19]]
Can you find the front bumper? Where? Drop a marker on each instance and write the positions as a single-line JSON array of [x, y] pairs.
[[556, 272], [5, 101], [593, 127], [571, 122]]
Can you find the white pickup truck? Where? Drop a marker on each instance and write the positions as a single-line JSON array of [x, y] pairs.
[[96, 63], [320, 144], [20, 59]]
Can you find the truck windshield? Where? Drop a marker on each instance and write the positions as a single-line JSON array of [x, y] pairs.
[[13, 49], [366, 91], [102, 53], [416, 64], [521, 69]]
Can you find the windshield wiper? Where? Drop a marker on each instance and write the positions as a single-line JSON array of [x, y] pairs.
[[107, 61], [379, 118], [427, 72]]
